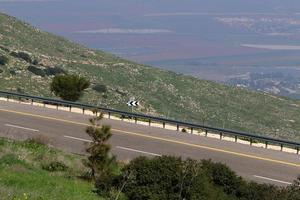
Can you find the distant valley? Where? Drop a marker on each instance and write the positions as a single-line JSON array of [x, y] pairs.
[[276, 72]]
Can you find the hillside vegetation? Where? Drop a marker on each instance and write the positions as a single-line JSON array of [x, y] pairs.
[[31, 58], [29, 170]]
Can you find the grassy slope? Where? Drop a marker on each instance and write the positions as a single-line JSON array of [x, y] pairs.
[[21, 172], [160, 92]]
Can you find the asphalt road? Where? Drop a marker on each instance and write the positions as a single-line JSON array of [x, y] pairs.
[[66, 131]]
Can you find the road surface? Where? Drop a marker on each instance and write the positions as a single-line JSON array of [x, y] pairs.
[[66, 131]]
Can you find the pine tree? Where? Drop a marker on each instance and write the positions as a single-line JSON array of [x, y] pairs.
[[100, 161]]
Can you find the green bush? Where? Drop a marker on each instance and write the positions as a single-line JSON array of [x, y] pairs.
[[20, 90], [3, 60], [69, 87], [223, 176], [104, 185], [255, 191], [100, 88], [37, 70], [53, 71], [45, 71], [55, 166], [167, 178], [291, 192]]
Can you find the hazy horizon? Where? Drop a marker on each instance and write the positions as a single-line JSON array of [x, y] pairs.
[[152, 30]]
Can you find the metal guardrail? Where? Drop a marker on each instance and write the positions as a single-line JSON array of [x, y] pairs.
[[123, 114]]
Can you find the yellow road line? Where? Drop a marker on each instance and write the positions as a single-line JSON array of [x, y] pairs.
[[161, 139]]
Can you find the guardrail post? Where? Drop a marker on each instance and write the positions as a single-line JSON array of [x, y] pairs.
[[266, 144], [164, 125], [7, 98], [19, 99], [206, 132], [70, 109], [221, 135], [149, 122], [192, 130], [235, 138], [281, 147], [31, 101], [251, 141], [135, 120], [82, 110], [177, 127], [56, 106], [109, 115], [297, 150]]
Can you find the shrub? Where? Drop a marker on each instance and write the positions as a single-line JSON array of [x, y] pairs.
[[3, 60], [104, 185], [20, 90], [25, 56], [223, 176], [45, 71], [53, 71], [167, 178], [55, 166], [292, 192], [69, 87], [255, 191], [37, 70], [100, 88]]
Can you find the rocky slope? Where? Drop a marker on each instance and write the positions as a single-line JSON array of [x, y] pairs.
[[31, 57]]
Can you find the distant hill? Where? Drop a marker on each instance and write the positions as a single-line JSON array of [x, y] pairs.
[[31, 57]]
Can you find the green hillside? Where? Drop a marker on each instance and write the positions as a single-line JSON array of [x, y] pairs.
[[34, 57], [32, 171]]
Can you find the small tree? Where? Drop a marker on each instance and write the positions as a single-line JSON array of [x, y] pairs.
[[100, 161], [69, 87]]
